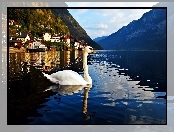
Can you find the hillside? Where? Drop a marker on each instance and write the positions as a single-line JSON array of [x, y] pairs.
[[146, 33], [36, 21], [74, 27], [54, 20]]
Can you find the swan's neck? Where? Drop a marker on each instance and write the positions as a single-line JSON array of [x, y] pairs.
[[85, 67]]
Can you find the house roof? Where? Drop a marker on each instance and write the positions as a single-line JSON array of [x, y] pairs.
[[23, 35], [15, 41], [55, 35]]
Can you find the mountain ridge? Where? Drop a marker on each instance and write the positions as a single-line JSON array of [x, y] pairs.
[[146, 33], [99, 38]]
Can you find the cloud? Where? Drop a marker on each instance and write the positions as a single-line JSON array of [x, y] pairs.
[[100, 26], [124, 17], [101, 22], [81, 11]]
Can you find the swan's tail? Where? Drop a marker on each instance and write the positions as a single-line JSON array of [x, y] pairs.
[[46, 75], [49, 77]]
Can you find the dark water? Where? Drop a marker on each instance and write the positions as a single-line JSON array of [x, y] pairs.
[[129, 87]]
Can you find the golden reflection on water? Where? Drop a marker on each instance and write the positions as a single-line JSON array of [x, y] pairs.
[[44, 60]]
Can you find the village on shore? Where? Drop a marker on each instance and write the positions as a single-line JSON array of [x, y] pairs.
[[22, 41]]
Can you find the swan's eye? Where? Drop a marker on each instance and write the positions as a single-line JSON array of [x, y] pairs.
[[91, 48]]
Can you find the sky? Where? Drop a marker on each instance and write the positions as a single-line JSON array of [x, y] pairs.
[[103, 22]]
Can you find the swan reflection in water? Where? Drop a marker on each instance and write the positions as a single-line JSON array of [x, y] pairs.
[[69, 90], [85, 102]]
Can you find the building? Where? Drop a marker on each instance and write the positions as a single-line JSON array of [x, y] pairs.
[[55, 38], [35, 46], [68, 42], [15, 43], [24, 37], [47, 36]]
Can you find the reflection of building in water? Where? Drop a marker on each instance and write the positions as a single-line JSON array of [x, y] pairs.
[[72, 56], [78, 55], [27, 58], [52, 59], [64, 58], [15, 63], [33, 57], [59, 59], [39, 60], [68, 57], [85, 100], [47, 60], [11, 64]]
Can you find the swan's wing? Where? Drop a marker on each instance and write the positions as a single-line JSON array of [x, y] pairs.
[[62, 75], [71, 72], [68, 77], [53, 80]]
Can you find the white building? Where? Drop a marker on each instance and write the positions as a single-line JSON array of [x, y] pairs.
[[55, 38], [24, 37], [68, 42], [36, 45], [47, 36], [78, 45]]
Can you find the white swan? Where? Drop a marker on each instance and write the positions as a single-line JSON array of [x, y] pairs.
[[69, 77]]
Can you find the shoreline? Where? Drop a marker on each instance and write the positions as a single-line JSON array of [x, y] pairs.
[[16, 50], [22, 50]]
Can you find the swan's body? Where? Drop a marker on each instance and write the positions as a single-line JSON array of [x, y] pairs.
[[66, 77], [69, 77]]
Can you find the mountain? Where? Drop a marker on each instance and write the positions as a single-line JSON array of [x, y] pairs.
[[60, 13], [74, 27], [99, 38], [36, 21], [146, 33]]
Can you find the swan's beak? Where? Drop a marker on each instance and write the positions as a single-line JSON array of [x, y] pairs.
[[93, 51]]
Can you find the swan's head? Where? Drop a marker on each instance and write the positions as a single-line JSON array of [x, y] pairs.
[[88, 49]]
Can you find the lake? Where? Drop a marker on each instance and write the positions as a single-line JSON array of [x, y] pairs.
[[129, 87]]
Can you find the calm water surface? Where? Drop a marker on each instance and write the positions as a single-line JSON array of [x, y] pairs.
[[129, 87]]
